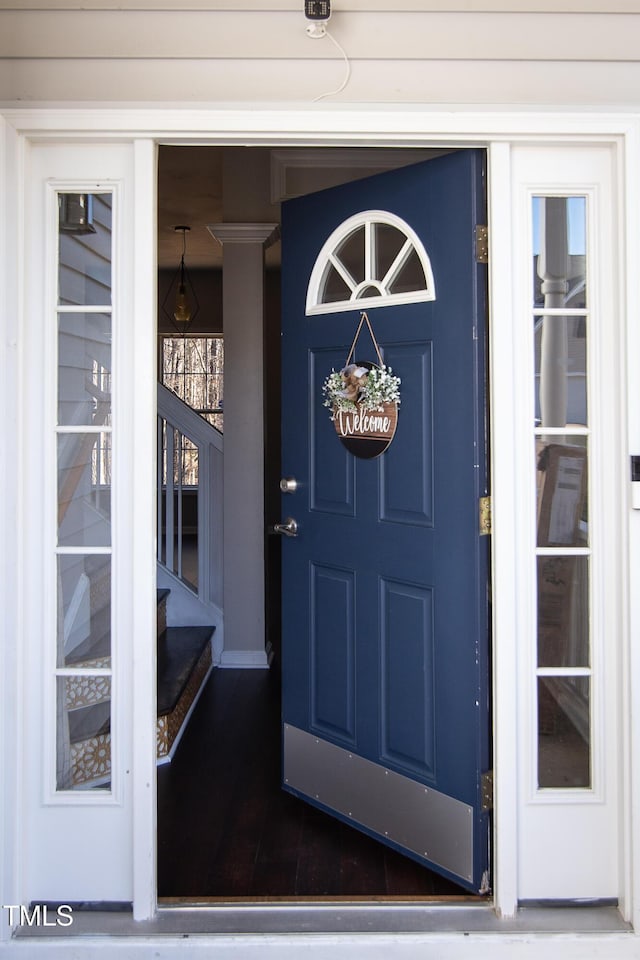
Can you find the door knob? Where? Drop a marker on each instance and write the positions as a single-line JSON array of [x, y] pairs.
[[289, 528], [288, 485]]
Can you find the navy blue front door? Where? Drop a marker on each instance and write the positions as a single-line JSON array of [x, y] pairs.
[[385, 587]]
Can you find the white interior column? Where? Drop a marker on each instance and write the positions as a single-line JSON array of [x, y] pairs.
[[244, 522]]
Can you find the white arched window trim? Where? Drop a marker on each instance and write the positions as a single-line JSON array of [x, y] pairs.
[[327, 258]]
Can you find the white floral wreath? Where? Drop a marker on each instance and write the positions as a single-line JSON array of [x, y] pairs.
[[358, 387]]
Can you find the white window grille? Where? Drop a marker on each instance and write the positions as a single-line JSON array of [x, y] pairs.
[[372, 259]]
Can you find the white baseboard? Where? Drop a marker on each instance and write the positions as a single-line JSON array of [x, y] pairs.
[[246, 659]]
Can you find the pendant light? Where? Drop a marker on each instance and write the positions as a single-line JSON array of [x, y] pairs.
[[180, 304]]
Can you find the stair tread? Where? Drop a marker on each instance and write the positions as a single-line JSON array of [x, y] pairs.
[[179, 649]]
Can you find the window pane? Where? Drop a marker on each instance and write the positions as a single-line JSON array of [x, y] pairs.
[[564, 754], [84, 489], [563, 611], [350, 253], [216, 420], [214, 392], [193, 368], [410, 276], [561, 370], [368, 291], [84, 611], [195, 390], [172, 356], [84, 249], [84, 369], [83, 755], [389, 242], [333, 287], [559, 249], [562, 491]]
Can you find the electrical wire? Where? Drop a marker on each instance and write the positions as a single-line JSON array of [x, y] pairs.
[[347, 76]]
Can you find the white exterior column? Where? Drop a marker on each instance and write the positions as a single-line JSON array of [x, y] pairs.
[[553, 269], [244, 522]]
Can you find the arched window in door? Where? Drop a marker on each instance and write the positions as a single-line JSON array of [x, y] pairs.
[[372, 259]]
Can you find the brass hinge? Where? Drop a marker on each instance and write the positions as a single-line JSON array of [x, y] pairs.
[[485, 516], [486, 790], [482, 243]]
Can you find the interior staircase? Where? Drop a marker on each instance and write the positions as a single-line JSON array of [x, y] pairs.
[[184, 662]]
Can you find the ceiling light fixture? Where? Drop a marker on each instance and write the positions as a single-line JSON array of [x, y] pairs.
[[180, 304]]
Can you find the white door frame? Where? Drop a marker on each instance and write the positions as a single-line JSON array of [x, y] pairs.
[[413, 127]]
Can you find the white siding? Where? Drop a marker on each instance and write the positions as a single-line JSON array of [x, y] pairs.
[[489, 52]]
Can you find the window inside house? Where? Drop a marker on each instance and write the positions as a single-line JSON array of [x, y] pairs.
[[193, 368]]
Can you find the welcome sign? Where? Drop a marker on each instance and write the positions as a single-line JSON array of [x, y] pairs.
[[367, 424], [363, 398]]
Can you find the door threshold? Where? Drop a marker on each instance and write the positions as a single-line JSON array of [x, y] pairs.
[[329, 899]]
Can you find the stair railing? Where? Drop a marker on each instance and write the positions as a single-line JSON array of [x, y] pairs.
[[190, 464]]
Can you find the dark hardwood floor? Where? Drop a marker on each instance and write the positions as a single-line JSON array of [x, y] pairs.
[[226, 829]]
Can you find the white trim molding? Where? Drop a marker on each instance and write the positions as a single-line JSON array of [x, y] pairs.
[[263, 233], [245, 659]]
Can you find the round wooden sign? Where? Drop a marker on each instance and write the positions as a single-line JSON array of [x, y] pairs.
[[366, 433]]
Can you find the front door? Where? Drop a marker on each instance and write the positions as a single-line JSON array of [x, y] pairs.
[[386, 710]]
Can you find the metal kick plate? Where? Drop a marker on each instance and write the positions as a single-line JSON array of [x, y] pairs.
[[403, 811]]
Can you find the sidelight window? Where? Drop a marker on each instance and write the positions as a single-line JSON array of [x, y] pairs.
[[562, 436], [83, 427]]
